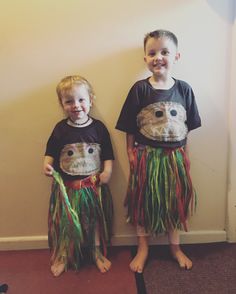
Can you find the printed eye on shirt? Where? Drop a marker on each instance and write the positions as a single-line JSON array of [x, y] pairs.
[[80, 159], [163, 121]]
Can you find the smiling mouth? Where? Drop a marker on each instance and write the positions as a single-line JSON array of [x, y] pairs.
[[158, 65]]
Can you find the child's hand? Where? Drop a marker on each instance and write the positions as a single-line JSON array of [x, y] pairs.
[[130, 140], [104, 177], [48, 170], [131, 158]]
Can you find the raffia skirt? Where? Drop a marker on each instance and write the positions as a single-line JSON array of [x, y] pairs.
[[160, 194], [80, 216]]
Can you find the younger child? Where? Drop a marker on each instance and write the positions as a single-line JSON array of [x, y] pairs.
[[79, 155], [157, 116]]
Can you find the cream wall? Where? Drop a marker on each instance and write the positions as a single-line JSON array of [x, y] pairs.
[[231, 217], [42, 41]]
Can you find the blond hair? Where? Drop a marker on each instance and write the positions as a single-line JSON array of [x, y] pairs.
[[67, 83]]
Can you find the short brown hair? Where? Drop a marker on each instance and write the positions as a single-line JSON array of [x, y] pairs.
[[160, 34]]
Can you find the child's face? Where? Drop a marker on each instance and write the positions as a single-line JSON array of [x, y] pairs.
[[76, 103], [160, 55]]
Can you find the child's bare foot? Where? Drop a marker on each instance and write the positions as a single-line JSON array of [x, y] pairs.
[[58, 268], [102, 263], [181, 258], [137, 264]]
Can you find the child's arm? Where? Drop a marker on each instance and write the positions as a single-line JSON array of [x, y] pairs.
[[130, 146], [107, 170], [47, 165]]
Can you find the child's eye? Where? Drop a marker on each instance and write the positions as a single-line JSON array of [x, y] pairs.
[[165, 52], [68, 101], [81, 99], [151, 54]]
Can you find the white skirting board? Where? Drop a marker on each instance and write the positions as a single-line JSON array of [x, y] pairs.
[[40, 242], [23, 242], [192, 237]]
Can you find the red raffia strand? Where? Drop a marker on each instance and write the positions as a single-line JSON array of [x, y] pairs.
[[137, 184], [187, 165], [71, 214], [179, 194], [142, 179]]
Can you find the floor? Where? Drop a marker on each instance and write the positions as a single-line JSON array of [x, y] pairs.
[[27, 272]]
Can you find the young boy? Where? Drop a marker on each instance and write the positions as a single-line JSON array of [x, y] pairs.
[[80, 150], [157, 115]]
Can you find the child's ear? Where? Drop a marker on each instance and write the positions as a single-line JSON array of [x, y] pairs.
[[177, 56]]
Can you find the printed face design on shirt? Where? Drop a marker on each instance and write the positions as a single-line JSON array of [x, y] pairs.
[[80, 159], [163, 121]]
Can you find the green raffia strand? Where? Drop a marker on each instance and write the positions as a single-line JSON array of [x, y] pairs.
[[69, 209], [106, 204], [84, 207], [70, 227], [160, 205]]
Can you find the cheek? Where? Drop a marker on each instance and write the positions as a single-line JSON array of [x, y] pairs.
[[65, 107], [86, 106]]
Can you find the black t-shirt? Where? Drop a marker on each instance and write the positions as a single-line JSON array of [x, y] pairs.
[[159, 118], [79, 151]]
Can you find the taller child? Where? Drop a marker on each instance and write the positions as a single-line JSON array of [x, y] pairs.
[[80, 212], [157, 115]]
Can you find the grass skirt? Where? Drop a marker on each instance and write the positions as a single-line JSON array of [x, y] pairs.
[[78, 212], [160, 192]]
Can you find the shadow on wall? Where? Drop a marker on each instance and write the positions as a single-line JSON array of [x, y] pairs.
[[27, 121], [30, 117], [227, 12]]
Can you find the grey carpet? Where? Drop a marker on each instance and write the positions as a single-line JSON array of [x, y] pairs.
[[213, 272]]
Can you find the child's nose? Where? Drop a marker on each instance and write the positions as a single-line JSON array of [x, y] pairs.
[[77, 104], [158, 56]]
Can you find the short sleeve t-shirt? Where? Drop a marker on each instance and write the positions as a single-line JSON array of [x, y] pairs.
[[159, 118], [79, 152]]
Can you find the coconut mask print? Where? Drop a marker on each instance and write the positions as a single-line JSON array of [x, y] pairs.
[[163, 121], [80, 159]]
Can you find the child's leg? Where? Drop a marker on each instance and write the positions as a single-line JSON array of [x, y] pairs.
[[102, 263], [137, 264], [177, 253]]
